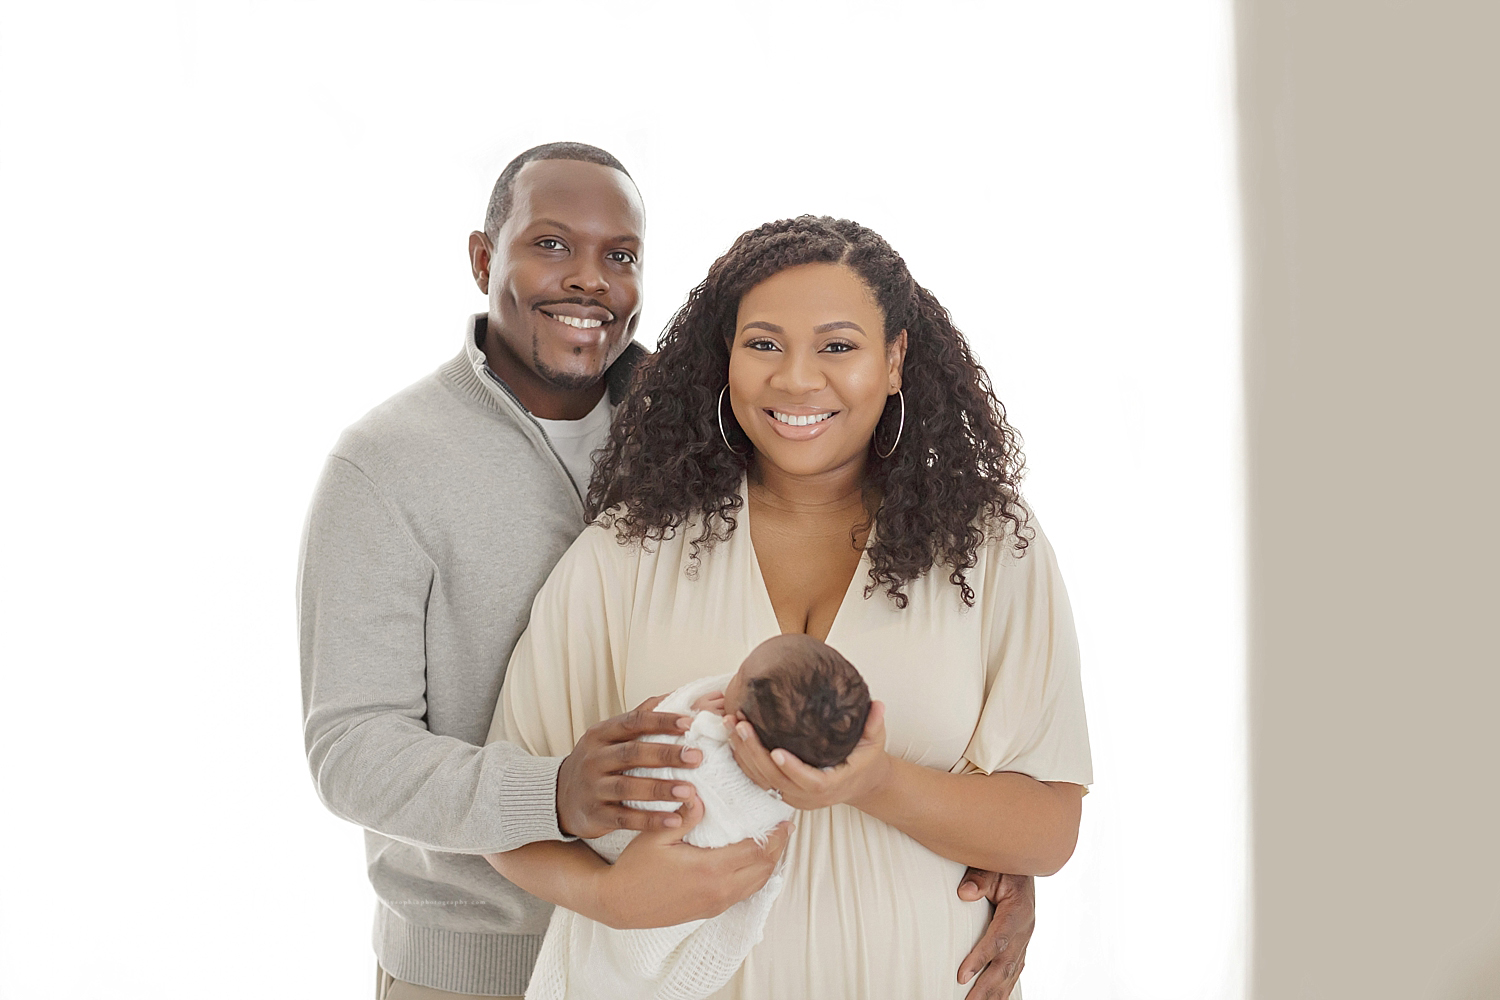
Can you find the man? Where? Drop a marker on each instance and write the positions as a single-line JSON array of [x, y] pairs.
[[437, 518]]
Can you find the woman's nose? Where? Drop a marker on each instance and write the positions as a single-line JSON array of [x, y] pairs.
[[799, 373]]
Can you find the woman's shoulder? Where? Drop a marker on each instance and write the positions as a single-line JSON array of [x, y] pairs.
[[600, 541], [1012, 547], [1014, 534], [594, 552], [615, 526], [608, 539], [596, 566]]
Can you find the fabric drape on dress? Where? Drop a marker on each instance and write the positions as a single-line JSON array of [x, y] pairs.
[[866, 911]]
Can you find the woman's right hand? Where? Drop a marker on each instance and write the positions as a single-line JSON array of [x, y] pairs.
[[660, 880], [805, 787]]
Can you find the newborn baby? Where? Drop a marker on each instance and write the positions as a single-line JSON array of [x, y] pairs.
[[801, 696]]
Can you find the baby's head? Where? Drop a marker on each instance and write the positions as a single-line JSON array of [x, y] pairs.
[[801, 696]]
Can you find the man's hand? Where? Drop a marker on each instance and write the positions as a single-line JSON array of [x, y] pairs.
[[1001, 951], [592, 786], [660, 880]]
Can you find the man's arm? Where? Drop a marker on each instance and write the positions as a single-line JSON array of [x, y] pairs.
[[362, 594], [363, 589]]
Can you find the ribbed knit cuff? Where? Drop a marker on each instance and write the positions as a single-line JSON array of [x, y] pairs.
[[528, 801]]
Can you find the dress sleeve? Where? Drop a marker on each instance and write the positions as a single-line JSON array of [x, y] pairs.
[[565, 672], [1033, 719]]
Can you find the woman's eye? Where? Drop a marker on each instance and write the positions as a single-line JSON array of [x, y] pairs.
[[838, 347], [762, 345], [621, 256], [548, 243]]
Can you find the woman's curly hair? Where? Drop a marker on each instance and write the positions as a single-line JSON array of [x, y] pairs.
[[956, 470]]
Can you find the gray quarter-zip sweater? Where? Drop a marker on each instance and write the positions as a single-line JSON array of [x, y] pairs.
[[437, 518]]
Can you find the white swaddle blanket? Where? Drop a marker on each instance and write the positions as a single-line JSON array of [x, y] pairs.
[[582, 958]]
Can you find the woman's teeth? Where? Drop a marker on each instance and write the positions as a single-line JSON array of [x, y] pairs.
[[581, 324], [796, 421]]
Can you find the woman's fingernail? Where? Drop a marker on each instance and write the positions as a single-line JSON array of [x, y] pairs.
[[743, 729], [779, 756], [683, 791], [672, 821], [692, 755]]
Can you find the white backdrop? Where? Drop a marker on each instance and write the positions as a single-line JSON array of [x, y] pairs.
[[230, 228]]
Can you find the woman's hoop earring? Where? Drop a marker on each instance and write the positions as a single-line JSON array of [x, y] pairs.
[[899, 427], [719, 412]]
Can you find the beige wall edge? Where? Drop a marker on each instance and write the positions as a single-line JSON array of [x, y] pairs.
[[1370, 155]]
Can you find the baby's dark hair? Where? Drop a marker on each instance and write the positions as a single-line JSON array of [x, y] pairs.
[[812, 703]]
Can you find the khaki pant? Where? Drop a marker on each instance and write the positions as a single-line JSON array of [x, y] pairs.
[[389, 988]]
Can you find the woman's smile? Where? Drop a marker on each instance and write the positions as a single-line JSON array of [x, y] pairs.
[[810, 368], [794, 426]]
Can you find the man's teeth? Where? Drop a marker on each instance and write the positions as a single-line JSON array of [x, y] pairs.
[[574, 321], [796, 421]]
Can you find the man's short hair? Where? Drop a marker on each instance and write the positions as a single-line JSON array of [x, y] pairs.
[[501, 196]]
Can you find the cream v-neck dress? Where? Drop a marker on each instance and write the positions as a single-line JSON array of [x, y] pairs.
[[866, 911]]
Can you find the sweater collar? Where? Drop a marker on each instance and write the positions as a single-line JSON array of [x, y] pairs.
[[469, 372]]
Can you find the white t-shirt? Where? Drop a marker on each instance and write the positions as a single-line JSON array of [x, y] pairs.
[[577, 440]]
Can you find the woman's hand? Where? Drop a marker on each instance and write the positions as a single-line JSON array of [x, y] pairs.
[[803, 786]]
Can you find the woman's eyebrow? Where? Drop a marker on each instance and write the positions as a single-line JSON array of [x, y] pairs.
[[838, 324], [842, 324]]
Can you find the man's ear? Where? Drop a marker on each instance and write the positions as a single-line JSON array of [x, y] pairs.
[[895, 355], [479, 260]]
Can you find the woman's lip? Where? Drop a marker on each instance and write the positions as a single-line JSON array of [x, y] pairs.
[[806, 432]]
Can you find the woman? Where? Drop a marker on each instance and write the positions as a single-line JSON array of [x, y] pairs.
[[813, 449]]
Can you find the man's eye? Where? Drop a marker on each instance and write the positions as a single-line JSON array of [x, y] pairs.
[[621, 256], [548, 243]]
